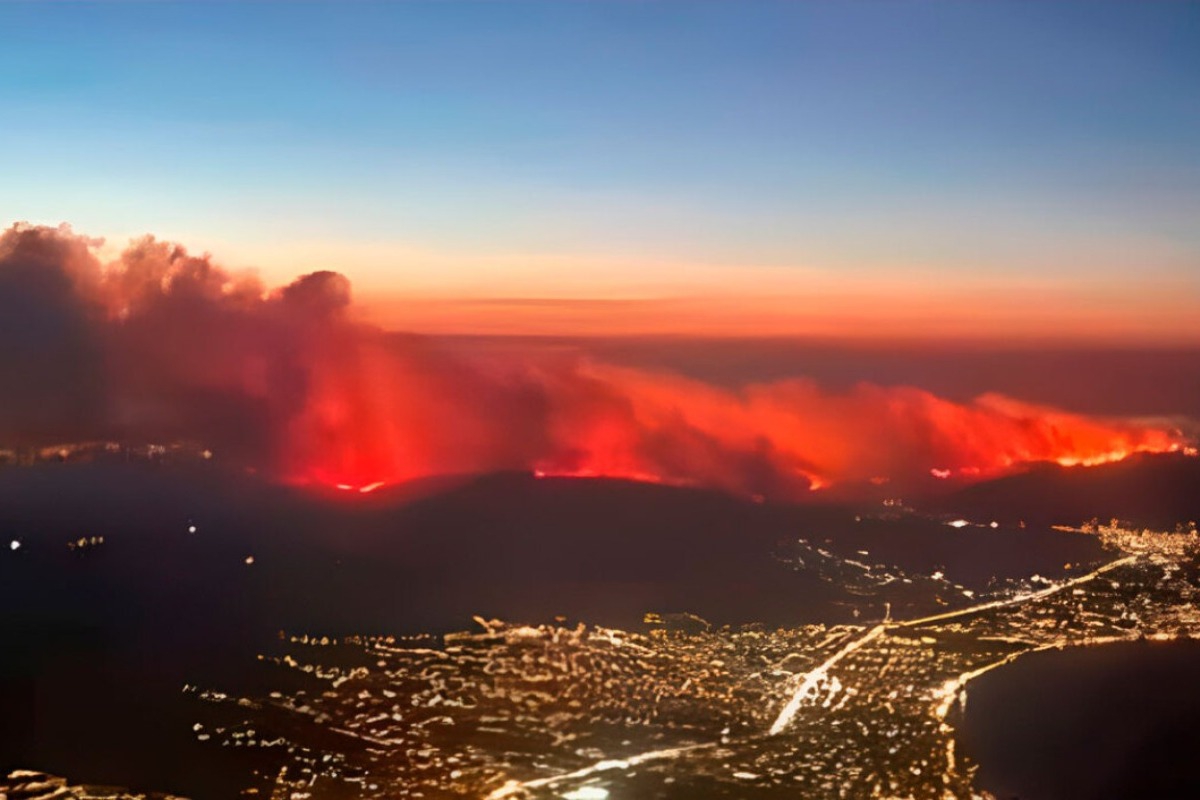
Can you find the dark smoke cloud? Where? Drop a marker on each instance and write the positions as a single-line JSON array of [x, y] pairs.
[[160, 344], [51, 370]]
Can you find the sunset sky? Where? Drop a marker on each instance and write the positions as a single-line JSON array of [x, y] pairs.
[[1016, 170]]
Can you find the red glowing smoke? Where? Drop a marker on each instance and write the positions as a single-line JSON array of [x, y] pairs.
[[579, 418], [163, 344]]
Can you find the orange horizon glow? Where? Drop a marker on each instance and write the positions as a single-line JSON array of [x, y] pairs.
[[428, 291], [1001, 315]]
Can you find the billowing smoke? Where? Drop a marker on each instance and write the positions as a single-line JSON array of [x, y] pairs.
[[163, 345]]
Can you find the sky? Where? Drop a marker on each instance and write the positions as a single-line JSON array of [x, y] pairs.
[[1015, 171]]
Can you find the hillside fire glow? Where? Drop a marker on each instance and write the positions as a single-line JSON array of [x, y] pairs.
[[160, 343]]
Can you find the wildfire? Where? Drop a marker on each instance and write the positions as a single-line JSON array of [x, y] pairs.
[[1110, 457], [587, 420], [167, 345]]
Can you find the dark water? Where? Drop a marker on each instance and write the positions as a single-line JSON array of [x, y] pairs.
[[1114, 722]]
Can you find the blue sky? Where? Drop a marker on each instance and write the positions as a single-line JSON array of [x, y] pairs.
[[603, 149]]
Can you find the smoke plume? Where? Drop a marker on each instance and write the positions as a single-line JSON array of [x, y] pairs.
[[160, 345]]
